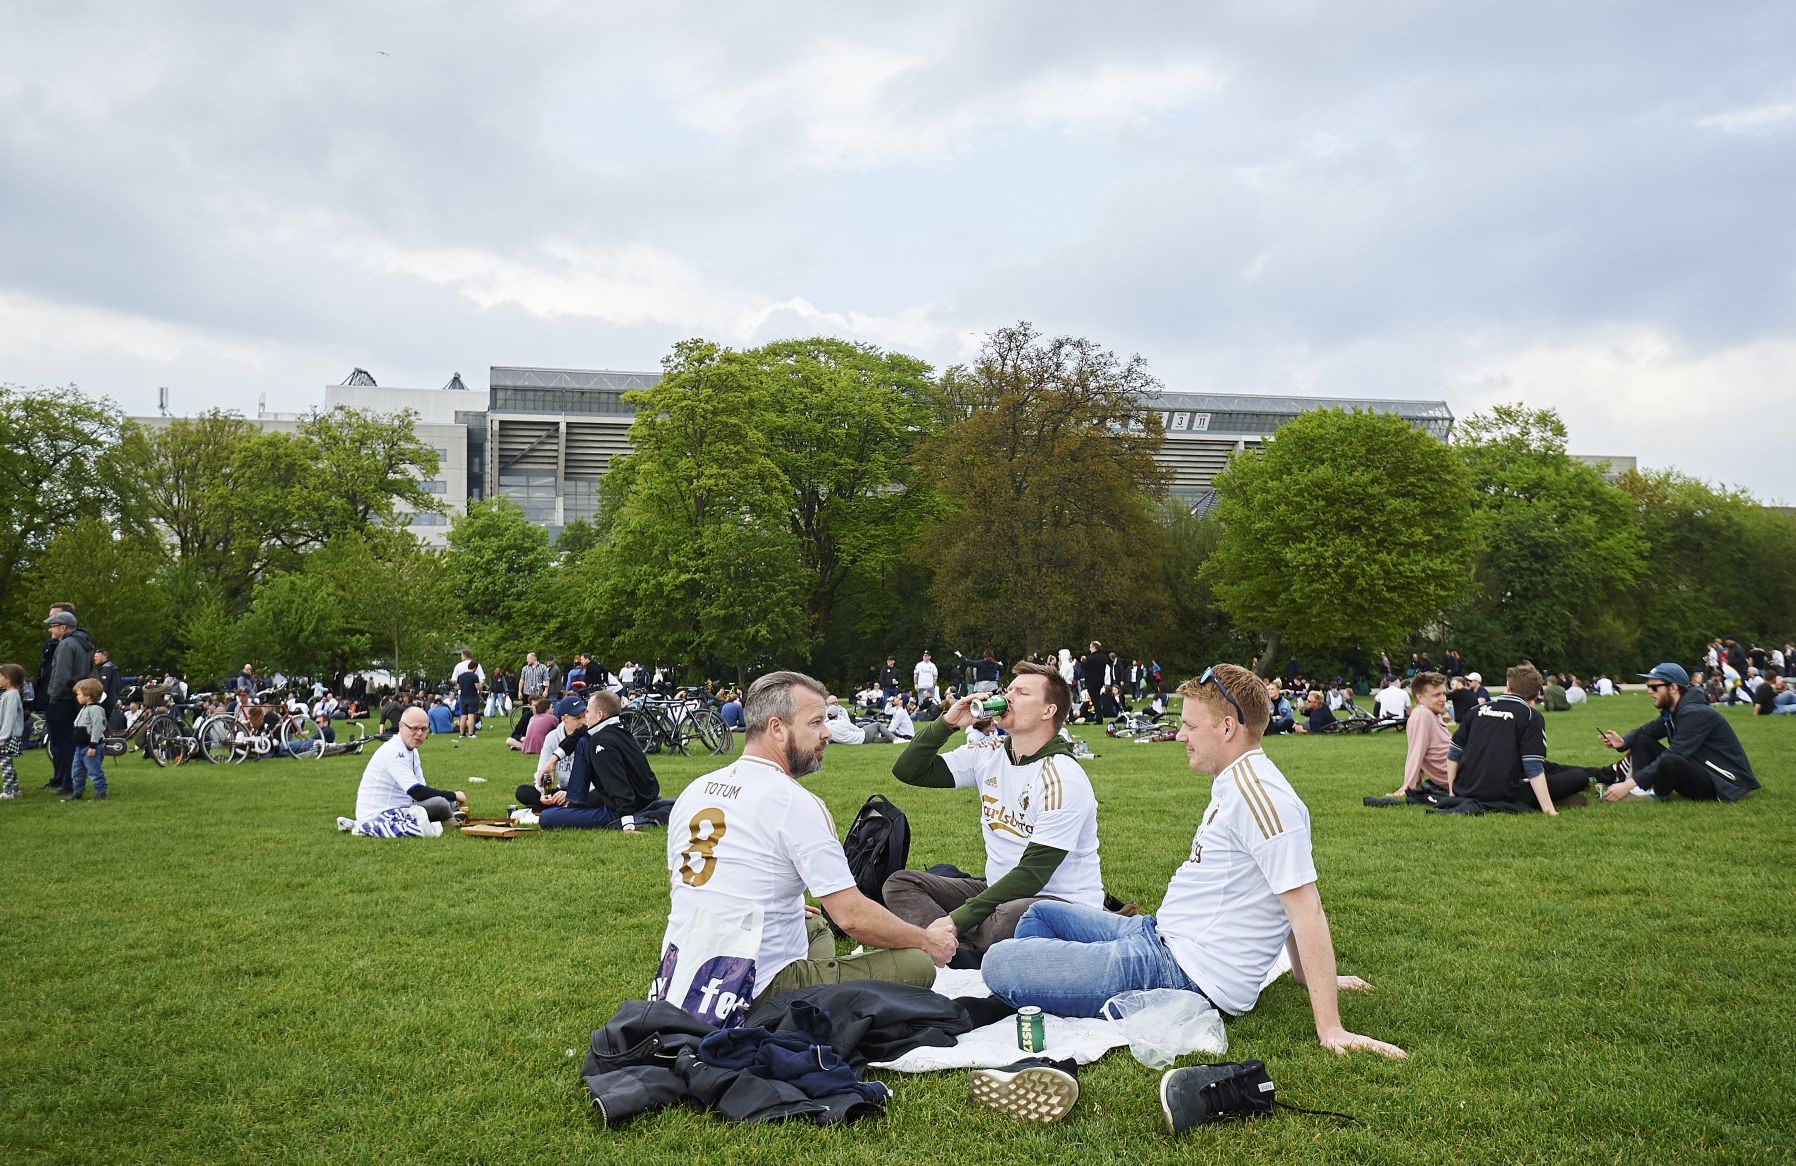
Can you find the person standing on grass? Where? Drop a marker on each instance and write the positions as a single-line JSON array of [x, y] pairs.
[[72, 660], [393, 785], [12, 727], [1701, 756], [469, 677], [1247, 891], [748, 837], [1038, 816], [90, 741]]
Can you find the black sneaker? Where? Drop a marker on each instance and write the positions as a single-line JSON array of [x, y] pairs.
[[1200, 1094], [1034, 1090]]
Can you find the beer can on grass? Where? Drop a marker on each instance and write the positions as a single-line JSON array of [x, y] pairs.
[[1031, 1031]]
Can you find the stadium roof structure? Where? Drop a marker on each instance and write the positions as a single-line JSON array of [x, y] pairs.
[[1259, 416]]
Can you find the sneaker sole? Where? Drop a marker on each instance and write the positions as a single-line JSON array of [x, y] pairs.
[[1034, 1094], [1165, 1106]]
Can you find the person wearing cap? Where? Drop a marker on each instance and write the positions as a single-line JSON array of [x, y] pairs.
[[1690, 749], [610, 784], [71, 661], [571, 710]]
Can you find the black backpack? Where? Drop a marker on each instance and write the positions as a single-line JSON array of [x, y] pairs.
[[878, 846]]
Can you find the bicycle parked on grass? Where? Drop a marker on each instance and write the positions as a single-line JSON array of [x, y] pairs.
[[167, 739], [675, 722]]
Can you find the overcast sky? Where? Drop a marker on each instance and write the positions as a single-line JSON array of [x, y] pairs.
[[1586, 206]]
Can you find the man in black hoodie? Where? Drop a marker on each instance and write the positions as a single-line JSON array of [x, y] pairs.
[[1702, 757], [71, 658]]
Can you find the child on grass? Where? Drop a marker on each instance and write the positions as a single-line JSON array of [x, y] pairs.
[[12, 726], [90, 740]]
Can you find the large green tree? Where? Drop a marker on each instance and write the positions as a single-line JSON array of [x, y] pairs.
[[55, 470], [1557, 548], [698, 564], [1047, 471], [116, 581], [497, 559], [841, 423], [1718, 565], [1347, 529]]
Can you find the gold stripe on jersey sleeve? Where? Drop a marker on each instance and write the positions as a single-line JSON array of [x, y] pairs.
[[1239, 770], [1050, 786], [1264, 812]]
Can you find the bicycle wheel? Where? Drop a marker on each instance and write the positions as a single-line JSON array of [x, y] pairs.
[[113, 746], [642, 727], [713, 734], [217, 736], [37, 730], [164, 742], [300, 737]]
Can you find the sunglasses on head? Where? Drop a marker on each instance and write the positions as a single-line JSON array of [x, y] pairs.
[[1209, 677]]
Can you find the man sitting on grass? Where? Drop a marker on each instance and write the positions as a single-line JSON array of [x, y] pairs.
[[393, 801], [1702, 757], [1425, 761], [1498, 757], [748, 837], [1247, 891], [609, 785], [1038, 816]]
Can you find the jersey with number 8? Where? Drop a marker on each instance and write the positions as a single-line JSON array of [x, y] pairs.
[[748, 835]]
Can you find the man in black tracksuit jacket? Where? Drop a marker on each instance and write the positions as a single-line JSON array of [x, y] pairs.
[[610, 779], [1702, 757]]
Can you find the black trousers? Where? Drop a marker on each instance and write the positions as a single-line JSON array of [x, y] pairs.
[[59, 736], [1675, 774]]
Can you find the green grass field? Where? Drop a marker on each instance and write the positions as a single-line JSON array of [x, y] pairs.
[[203, 970]]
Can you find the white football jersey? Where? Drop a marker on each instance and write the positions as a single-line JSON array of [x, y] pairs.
[[748, 835], [1049, 801], [1221, 917]]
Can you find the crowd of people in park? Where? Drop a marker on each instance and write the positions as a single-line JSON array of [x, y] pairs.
[[748, 840]]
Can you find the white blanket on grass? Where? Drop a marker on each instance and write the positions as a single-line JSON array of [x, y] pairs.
[[1074, 1038]]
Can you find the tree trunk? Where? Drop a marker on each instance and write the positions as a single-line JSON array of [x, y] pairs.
[[1269, 658]]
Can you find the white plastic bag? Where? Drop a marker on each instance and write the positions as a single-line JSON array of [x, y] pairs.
[[1162, 1024], [708, 968]]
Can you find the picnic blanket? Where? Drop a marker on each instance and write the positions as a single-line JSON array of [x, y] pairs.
[[1074, 1038]]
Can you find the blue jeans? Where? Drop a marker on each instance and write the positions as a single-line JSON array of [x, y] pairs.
[[578, 818], [1068, 959], [86, 767]]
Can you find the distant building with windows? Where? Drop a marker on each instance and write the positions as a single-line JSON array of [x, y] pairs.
[[543, 437]]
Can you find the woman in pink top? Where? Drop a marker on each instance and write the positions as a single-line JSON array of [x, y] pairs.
[[1428, 736], [545, 720]]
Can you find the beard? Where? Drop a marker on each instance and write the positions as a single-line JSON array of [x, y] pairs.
[[801, 764]]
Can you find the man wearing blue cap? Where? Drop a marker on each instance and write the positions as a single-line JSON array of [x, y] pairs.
[[1701, 757]]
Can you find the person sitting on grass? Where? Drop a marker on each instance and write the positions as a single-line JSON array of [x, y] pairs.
[[393, 801], [1498, 756], [1246, 892], [1317, 716], [843, 729], [749, 838], [609, 783], [1702, 757], [1282, 720], [1038, 815], [1425, 760]]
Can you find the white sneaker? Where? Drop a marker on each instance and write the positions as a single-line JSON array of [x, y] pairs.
[[345, 824], [8, 795]]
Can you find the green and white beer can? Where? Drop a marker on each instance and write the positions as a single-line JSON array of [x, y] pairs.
[[1031, 1031]]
